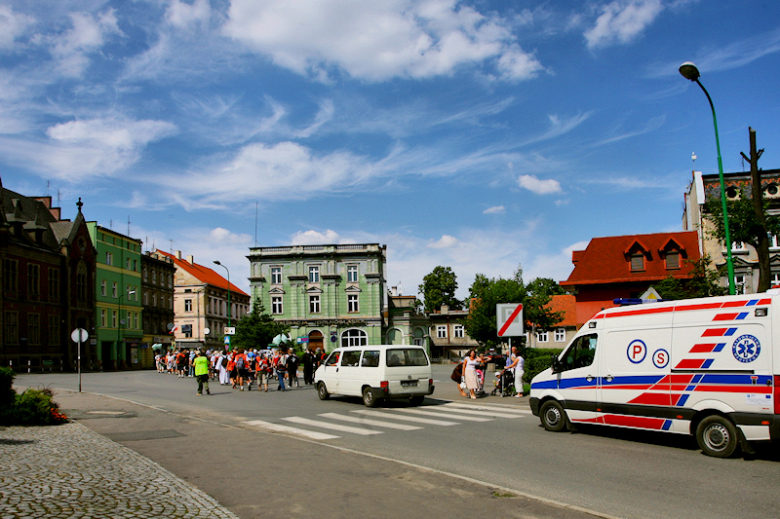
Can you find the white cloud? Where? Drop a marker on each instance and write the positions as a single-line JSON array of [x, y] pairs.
[[378, 40], [497, 209], [312, 237], [540, 187], [184, 16], [621, 21], [81, 149], [87, 35], [12, 25], [445, 242]]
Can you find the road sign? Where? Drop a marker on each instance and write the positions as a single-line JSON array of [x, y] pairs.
[[230, 330], [227, 340], [79, 335], [509, 320]]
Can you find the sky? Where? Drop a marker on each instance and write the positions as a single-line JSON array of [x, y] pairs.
[[479, 135]]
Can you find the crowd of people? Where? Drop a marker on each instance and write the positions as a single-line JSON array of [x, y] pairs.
[[470, 377], [241, 368]]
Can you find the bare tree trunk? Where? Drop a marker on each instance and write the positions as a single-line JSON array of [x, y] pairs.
[[764, 273]]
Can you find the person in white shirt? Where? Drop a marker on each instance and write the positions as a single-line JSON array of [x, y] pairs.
[[516, 363]]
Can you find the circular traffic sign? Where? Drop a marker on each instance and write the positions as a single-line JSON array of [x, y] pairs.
[[79, 335]]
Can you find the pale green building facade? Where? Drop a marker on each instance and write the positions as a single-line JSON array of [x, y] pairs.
[[329, 295]]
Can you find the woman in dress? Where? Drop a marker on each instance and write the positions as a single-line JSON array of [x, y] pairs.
[[470, 364]]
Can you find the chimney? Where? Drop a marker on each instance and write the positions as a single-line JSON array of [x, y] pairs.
[[178, 254], [190, 260], [394, 291]]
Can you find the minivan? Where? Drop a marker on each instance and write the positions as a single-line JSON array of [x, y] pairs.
[[376, 373]]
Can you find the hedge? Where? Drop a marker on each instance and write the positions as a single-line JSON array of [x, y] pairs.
[[32, 407], [537, 360]]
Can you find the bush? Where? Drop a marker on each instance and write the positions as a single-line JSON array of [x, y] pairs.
[[538, 360], [33, 407]]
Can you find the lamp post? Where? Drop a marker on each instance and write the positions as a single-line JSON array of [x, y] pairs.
[[228, 287], [690, 72], [119, 327]]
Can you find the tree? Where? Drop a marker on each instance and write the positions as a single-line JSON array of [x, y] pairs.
[[703, 283], [749, 220], [257, 329], [539, 294], [438, 288], [485, 294]]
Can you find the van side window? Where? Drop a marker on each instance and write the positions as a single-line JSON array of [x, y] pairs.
[[351, 358], [581, 353], [332, 359], [370, 359], [406, 357]]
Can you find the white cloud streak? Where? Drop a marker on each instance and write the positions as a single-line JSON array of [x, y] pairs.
[[622, 21], [540, 187]]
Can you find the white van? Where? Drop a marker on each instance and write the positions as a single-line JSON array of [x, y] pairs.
[[376, 373], [707, 367]]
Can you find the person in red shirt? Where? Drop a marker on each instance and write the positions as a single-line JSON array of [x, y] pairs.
[[242, 368]]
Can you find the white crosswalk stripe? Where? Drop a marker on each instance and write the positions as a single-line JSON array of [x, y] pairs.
[[452, 415], [333, 426], [500, 412], [291, 430], [368, 421], [413, 419]]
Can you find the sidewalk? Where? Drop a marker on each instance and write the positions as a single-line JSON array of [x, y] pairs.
[[122, 460]]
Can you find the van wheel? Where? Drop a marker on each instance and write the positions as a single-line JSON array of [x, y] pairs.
[[552, 416], [717, 436], [322, 391], [369, 398], [417, 399]]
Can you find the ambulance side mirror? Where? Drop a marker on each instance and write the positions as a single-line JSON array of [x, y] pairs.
[[556, 365]]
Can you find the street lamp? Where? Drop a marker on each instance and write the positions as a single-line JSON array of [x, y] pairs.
[[690, 72], [119, 328], [228, 287]]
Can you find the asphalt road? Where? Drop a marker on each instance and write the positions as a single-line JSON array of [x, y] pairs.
[[495, 441]]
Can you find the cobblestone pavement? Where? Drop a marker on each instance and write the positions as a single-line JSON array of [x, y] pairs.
[[69, 471]]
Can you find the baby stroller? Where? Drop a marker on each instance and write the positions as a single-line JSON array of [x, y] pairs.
[[505, 385]]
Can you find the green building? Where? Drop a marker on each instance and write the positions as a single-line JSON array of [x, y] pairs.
[[118, 330], [329, 295]]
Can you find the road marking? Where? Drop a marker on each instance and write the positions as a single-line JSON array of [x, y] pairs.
[[413, 419], [519, 412], [291, 430], [368, 421], [473, 411], [440, 415], [333, 426]]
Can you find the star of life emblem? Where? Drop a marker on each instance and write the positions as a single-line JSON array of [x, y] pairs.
[[746, 348]]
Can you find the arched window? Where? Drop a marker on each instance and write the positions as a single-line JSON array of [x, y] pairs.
[[354, 337], [81, 281]]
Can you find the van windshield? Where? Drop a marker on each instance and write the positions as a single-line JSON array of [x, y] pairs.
[[406, 357]]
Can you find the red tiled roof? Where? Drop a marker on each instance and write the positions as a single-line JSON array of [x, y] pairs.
[[567, 304], [203, 274], [605, 259]]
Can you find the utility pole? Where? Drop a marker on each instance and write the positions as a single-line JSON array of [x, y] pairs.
[[757, 193]]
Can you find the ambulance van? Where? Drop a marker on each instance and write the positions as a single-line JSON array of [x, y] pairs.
[[706, 367]]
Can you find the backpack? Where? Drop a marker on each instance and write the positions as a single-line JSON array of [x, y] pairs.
[[240, 362], [223, 362]]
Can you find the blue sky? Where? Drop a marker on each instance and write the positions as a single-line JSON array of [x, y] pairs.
[[478, 135]]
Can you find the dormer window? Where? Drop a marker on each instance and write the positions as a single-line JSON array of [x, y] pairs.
[[637, 262], [672, 260]]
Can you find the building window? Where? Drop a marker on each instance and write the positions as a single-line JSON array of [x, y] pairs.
[[81, 282], [10, 275], [560, 335], [11, 328], [103, 321], [459, 331], [103, 287], [672, 260], [441, 331], [187, 330], [127, 264], [276, 275], [114, 289], [34, 279], [314, 304], [109, 258], [188, 305], [542, 336], [637, 263], [135, 320], [54, 330], [170, 280], [54, 283], [113, 318], [154, 277], [740, 282], [352, 273], [352, 304], [775, 279], [276, 305], [34, 329], [314, 274], [354, 337], [146, 274], [738, 246]]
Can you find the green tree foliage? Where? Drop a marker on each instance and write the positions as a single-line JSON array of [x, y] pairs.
[[743, 224], [539, 294], [485, 294], [703, 283], [438, 288], [257, 329]]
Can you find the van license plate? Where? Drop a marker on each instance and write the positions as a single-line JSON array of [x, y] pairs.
[[408, 383]]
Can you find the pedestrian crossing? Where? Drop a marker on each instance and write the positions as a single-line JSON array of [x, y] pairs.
[[370, 422]]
